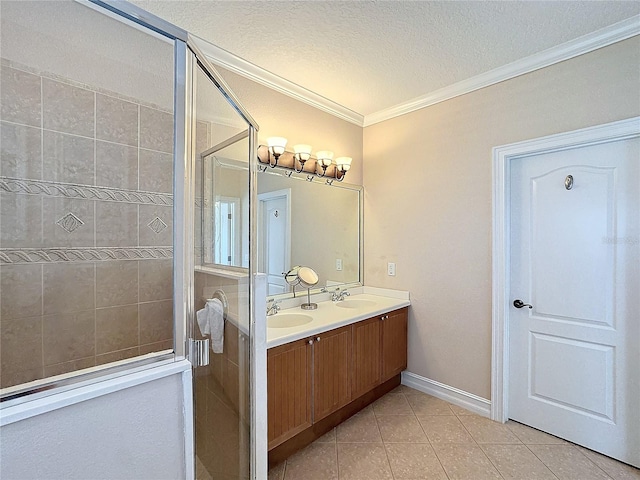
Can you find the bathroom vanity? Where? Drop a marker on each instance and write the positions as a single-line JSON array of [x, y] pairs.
[[324, 370]]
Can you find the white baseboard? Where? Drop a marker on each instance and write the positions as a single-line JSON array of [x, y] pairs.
[[453, 395]]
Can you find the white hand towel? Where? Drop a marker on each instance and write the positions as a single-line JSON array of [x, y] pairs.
[[211, 322]]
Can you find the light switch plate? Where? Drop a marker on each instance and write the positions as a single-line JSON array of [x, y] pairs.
[[338, 264]]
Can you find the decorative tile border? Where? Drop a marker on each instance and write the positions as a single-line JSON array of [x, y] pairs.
[[13, 256], [70, 190]]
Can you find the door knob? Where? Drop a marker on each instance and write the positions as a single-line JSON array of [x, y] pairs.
[[519, 304]]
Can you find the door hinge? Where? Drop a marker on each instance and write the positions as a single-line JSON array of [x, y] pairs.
[[199, 352]]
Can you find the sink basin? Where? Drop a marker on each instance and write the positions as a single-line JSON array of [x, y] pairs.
[[287, 320], [355, 303]]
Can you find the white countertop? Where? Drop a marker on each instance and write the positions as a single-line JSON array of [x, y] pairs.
[[329, 315]]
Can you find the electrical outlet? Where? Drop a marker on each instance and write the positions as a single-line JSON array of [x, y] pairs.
[[338, 264], [391, 269]]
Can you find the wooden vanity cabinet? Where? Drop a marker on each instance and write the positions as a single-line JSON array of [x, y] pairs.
[[367, 356], [379, 350], [331, 371], [306, 381], [334, 372], [289, 390], [394, 343]]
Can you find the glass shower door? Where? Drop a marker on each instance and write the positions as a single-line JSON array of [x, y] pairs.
[[221, 334]]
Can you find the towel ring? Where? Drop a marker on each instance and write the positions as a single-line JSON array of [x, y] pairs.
[[220, 295]]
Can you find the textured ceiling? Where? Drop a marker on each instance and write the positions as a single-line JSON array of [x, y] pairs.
[[371, 55]]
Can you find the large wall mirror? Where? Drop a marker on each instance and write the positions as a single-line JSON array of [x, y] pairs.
[[300, 222]]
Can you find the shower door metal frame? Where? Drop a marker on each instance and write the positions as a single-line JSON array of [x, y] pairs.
[[186, 53]]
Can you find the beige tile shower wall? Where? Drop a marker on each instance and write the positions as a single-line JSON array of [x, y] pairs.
[[86, 227], [428, 189]]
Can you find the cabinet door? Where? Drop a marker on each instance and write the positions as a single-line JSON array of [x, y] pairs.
[[367, 356], [289, 390], [331, 371], [394, 343]]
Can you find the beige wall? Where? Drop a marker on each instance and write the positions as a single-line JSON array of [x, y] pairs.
[[428, 188], [283, 116]]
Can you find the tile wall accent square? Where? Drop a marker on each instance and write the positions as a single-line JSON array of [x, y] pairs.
[[21, 221], [484, 430], [72, 366], [20, 97], [20, 151], [117, 356], [116, 120], [20, 291], [68, 287], [465, 462], [428, 405], [156, 321], [318, 461], [116, 166], [401, 429], [516, 462], [68, 222], [360, 428], [21, 345], [68, 336], [155, 280], [116, 224], [116, 283], [156, 130], [68, 158], [444, 429], [413, 461], [156, 171], [67, 108], [567, 462], [362, 461], [154, 234], [116, 328]]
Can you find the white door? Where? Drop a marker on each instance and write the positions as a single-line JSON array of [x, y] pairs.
[[275, 239], [575, 257]]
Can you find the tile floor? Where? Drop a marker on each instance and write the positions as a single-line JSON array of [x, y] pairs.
[[410, 435]]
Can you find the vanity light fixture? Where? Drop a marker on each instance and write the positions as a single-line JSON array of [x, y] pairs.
[[343, 164], [325, 158], [276, 148], [302, 153], [295, 161]]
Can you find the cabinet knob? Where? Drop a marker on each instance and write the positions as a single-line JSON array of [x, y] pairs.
[[317, 339], [310, 342], [384, 317]]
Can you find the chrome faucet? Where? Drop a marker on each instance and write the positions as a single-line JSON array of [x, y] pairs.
[[274, 308], [339, 295]]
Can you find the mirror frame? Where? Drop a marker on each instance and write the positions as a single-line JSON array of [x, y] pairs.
[[303, 176]]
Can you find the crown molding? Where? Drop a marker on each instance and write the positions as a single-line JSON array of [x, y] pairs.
[[581, 45], [259, 75], [587, 43]]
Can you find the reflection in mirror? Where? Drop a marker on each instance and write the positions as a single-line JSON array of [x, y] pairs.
[[299, 222]]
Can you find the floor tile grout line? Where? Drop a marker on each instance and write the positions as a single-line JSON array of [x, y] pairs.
[[540, 460]]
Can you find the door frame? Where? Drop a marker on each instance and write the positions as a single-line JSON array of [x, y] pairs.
[[262, 199], [501, 249]]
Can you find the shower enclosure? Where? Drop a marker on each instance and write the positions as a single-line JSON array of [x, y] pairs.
[[106, 113]]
